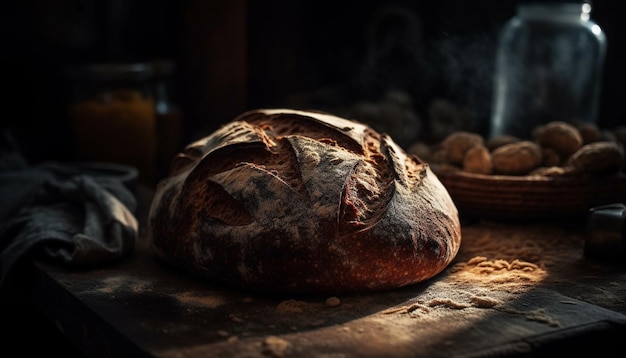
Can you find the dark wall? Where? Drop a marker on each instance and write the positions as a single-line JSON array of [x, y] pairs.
[[238, 55], [612, 109], [309, 56]]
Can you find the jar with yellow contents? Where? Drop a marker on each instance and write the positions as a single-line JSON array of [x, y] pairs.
[[117, 113]]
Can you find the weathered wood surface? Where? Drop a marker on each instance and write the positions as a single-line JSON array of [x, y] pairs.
[[515, 289]]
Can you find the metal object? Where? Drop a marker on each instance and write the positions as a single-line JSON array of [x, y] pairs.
[[606, 237]]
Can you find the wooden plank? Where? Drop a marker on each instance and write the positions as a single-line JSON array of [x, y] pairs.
[[513, 289]]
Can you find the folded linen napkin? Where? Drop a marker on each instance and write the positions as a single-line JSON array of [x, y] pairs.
[[63, 212]]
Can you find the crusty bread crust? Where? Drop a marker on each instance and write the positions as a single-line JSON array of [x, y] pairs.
[[303, 202]]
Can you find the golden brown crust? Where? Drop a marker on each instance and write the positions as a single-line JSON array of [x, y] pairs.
[[303, 202]]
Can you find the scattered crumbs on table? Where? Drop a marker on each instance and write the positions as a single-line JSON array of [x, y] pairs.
[[274, 346], [208, 300], [291, 306], [539, 315], [333, 302], [484, 301]]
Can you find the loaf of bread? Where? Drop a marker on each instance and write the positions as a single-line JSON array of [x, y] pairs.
[[291, 201]]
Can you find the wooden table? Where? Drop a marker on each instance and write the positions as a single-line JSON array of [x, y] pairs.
[[515, 289]]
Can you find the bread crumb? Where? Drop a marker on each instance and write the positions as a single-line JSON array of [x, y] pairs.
[[476, 260], [538, 315], [447, 303], [394, 310], [484, 301], [291, 306], [518, 264], [411, 309], [235, 319], [417, 308], [510, 273], [223, 333], [200, 300], [275, 346], [333, 301]]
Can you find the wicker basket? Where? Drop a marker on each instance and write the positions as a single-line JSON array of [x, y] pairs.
[[530, 197]]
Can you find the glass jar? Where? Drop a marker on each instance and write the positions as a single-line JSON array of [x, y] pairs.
[[548, 67], [122, 113]]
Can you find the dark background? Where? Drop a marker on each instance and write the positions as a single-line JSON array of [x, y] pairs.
[[234, 55]]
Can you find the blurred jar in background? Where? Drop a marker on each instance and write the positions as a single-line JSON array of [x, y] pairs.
[[122, 113], [548, 67]]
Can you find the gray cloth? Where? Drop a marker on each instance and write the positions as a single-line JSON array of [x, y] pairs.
[[58, 212]]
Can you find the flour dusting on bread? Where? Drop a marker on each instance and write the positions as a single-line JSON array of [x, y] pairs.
[[295, 201]]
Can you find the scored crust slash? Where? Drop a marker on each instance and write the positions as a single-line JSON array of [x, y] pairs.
[[289, 201]]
